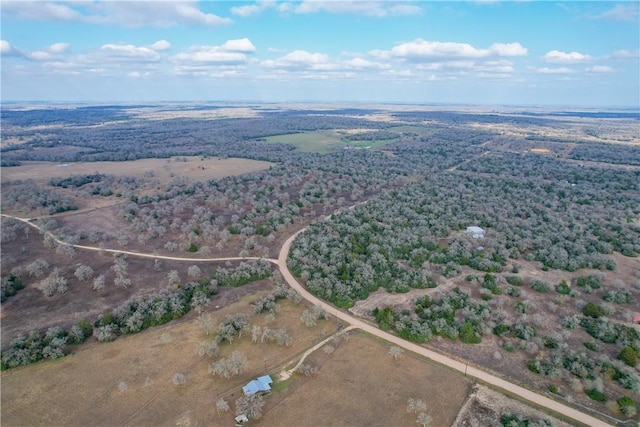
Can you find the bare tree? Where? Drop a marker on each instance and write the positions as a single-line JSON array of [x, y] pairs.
[[251, 406], [56, 282], [83, 273], [173, 277], [207, 348], [207, 323], [37, 267], [423, 419], [222, 406], [98, 282], [395, 351], [308, 318], [194, 272]]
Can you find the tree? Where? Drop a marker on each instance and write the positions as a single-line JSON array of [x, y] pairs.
[[308, 319], [194, 272], [415, 406], [83, 273], [173, 277], [395, 351], [222, 406], [423, 419], [251, 406], [207, 348], [98, 282], [37, 268], [56, 282]]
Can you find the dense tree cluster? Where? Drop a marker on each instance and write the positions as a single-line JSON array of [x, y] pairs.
[[453, 316], [245, 272], [395, 240], [27, 196], [609, 153], [76, 180], [52, 344]]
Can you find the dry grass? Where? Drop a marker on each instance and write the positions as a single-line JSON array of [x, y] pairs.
[[360, 384], [164, 170], [129, 381]]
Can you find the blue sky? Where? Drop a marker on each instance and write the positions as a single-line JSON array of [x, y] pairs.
[[485, 52]]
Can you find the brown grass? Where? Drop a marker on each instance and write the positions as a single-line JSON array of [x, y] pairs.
[[195, 167], [360, 384], [83, 389]]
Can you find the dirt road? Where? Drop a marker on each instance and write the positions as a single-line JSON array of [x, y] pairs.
[[461, 367], [469, 371]]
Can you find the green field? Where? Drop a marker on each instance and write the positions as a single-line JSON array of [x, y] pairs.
[[323, 141]]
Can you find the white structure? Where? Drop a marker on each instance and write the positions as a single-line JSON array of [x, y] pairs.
[[476, 232]]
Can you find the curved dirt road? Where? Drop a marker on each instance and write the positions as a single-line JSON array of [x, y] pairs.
[[461, 367]]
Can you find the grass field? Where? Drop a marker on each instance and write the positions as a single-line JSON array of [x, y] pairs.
[[163, 170], [323, 141], [360, 384], [129, 381]]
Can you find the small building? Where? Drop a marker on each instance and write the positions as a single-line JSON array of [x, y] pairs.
[[259, 385], [636, 319], [476, 232]]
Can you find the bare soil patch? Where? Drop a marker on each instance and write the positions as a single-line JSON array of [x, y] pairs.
[[360, 384]]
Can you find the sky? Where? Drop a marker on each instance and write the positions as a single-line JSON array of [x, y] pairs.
[[570, 53]]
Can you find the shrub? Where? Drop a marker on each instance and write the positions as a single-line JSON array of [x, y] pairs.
[[627, 406], [563, 288], [592, 310], [592, 346], [550, 342], [539, 286], [629, 356], [553, 389], [596, 395], [513, 292], [591, 281], [515, 280]]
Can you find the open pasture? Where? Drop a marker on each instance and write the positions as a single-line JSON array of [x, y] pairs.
[[162, 170]]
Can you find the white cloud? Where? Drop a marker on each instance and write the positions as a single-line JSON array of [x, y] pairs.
[[358, 7], [41, 11], [627, 12], [424, 50], [625, 55], [509, 49], [160, 45], [124, 13], [558, 57], [211, 55], [228, 59], [129, 52], [300, 59], [50, 53], [599, 69], [560, 70], [363, 64], [6, 49], [253, 9], [239, 45]]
